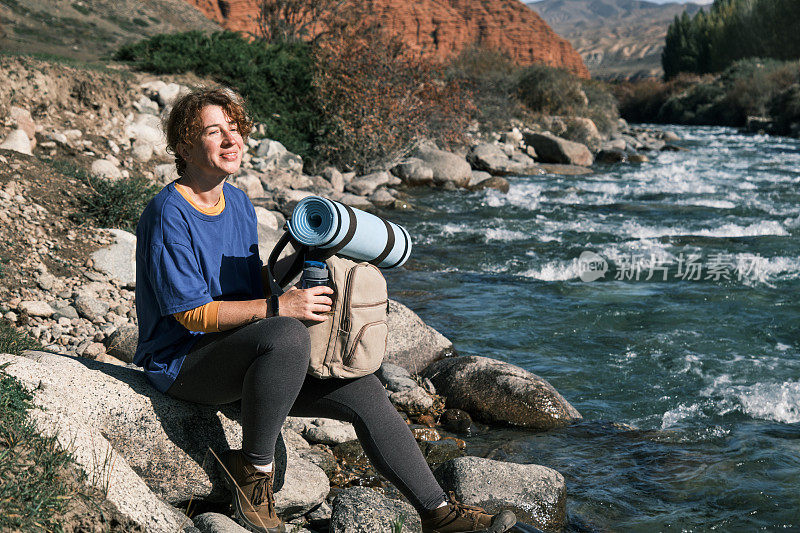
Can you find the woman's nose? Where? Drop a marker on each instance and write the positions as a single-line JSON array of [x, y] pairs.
[[227, 137]]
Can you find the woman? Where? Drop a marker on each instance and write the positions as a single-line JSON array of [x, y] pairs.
[[208, 335]]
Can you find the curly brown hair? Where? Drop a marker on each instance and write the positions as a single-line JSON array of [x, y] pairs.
[[183, 125]]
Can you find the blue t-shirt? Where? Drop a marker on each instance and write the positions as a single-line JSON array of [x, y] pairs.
[[185, 259]]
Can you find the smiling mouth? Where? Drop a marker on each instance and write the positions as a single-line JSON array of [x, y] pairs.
[[230, 156]]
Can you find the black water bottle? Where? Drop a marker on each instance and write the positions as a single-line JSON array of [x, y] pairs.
[[315, 273]]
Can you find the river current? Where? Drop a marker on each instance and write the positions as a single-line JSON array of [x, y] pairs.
[[661, 300]]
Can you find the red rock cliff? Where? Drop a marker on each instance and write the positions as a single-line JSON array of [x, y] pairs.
[[442, 28]]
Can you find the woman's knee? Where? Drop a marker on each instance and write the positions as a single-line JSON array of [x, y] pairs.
[[368, 400], [286, 336]]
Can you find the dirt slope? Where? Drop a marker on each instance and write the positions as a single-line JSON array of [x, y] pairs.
[[87, 30]]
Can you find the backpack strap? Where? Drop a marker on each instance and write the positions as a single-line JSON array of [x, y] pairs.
[[276, 285]]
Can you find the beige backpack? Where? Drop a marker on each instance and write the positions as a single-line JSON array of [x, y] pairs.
[[352, 342]]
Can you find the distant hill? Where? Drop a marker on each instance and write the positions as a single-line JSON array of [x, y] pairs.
[[90, 29], [615, 38]]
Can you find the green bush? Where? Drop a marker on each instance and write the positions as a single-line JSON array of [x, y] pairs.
[[490, 77], [275, 80], [602, 106], [117, 204], [13, 341], [785, 108], [750, 87], [32, 494], [551, 91]]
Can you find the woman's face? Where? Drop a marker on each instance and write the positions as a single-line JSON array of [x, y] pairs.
[[218, 151]]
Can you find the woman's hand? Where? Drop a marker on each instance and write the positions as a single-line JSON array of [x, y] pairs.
[[306, 304]]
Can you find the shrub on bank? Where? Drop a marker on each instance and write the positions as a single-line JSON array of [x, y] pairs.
[[276, 80], [504, 91], [378, 103], [110, 204], [751, 87], [490, 78]]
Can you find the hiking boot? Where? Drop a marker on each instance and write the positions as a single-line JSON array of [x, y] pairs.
[[253, 499], [455, 517]]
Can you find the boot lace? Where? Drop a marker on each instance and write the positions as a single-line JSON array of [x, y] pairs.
[[466, 511], [262, 490]]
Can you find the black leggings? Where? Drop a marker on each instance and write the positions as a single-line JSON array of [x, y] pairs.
[[264, 364]]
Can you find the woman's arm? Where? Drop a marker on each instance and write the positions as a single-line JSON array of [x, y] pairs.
[[303, 304]]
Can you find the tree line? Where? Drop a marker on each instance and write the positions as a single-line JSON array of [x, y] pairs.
[[730, 30]]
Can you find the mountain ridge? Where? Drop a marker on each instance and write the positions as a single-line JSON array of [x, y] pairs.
[[615, 38], [441, 28]]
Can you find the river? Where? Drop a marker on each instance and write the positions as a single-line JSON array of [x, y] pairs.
[[682, 354]]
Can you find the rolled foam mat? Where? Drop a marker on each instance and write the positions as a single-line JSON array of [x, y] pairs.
[[327, 224]]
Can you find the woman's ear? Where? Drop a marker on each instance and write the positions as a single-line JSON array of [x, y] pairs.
[[183, 150]]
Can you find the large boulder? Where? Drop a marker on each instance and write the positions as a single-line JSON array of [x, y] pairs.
[[413, 171], [167, 442], [272, 155], [118, 260], [491, 158], [552, 149], [104, 465], [584, 131], [445, 166], [18, 141], [146, 129], [412, 344], [249, 183], [363, 510], [488, 157], [536, 494], [499, 392], [366, 185]]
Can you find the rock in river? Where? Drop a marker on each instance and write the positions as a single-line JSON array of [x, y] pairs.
[[536, 494], [499, 392]]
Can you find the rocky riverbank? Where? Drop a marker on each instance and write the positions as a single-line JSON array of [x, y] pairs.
[[70, 286]]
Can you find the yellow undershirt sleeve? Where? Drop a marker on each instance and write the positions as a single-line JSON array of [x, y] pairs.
[[204, 318]]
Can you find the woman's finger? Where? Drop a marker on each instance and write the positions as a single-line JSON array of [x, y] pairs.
[[319, 289], [320, 308], [324, 300]]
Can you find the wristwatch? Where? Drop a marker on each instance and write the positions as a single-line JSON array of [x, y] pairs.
[[273, 305]]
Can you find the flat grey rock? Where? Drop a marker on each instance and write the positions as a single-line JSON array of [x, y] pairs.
[[363, 510], [536, 494], [395, 378], [446, 166], [168, 442]]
